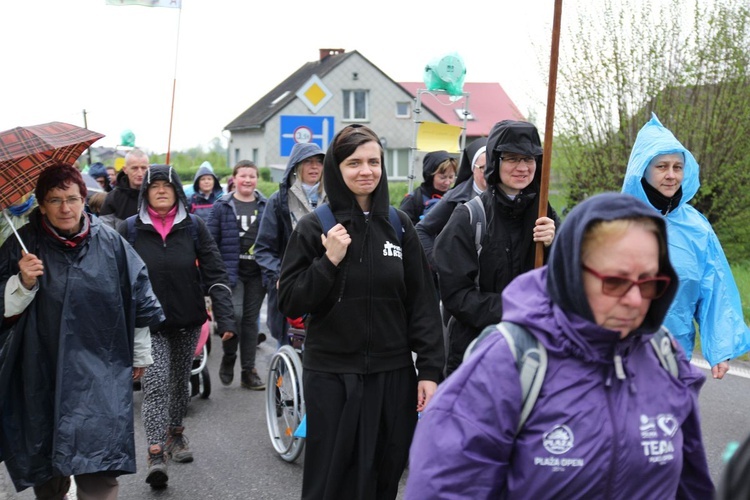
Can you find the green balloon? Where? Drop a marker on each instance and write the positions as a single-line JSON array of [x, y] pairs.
[[127, 138]]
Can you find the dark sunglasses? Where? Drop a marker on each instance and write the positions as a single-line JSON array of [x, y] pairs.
[[617, 286]]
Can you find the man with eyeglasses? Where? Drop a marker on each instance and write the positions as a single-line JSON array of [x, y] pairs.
[[122, 201], [472, 278]]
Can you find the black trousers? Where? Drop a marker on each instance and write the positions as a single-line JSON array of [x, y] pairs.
[[359, 429]]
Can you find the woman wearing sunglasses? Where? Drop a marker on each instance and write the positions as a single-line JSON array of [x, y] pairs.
[[610, 421], [664, 174]]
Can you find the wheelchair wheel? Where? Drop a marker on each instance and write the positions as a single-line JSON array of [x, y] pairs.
[[285, 403]]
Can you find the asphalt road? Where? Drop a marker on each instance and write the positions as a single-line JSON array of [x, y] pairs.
[[234, 458]]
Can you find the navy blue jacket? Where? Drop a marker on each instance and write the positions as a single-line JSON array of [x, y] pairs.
[[226, 231]]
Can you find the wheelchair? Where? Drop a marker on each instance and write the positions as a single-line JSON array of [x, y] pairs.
[[285, 400]]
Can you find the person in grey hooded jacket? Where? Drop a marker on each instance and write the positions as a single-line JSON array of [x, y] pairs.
[[610, 421], [300, 191], [206, 190]]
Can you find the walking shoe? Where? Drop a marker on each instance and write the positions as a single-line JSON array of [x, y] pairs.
[[251, 380], [261, 338], [177, 446], [157, 467], [226, 369]]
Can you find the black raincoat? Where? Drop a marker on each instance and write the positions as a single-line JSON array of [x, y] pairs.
[[507, 245], [66, 393]]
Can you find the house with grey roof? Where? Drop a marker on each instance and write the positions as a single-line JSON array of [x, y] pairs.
[[341, 88]]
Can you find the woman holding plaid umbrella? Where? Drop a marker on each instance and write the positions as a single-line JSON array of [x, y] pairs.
[[66, 370]]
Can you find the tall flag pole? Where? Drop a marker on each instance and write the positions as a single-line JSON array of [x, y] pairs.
[[174, 88], [172, 4], [548, 127]]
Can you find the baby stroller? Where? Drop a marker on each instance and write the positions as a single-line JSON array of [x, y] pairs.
[[200, 381]]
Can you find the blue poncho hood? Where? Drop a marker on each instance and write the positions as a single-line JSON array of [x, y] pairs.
[[654, 139]]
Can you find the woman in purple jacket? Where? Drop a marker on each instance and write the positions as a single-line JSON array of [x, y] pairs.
[[610, 420]]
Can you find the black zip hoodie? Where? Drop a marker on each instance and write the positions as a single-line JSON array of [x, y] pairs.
[[368, 314]]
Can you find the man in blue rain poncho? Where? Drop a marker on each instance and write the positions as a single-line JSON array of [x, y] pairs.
[[665, 174]]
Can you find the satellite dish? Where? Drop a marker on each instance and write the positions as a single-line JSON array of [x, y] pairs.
[[446, 73]]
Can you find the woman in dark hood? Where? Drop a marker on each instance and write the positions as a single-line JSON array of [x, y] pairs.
[[369, 304], [170, 241], [470, 280], [439, 171], [469, 183]]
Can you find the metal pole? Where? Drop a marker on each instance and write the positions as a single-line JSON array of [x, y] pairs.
[[548, 126]]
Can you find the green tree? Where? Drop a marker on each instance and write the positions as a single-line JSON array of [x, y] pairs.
[[687, 61]]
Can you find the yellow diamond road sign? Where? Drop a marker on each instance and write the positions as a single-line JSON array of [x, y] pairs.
[[314, 94]]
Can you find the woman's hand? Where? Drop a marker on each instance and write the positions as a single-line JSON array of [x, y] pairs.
[[718, 371], [227, 335], [336, 243], [544, 231], [138, 372], [425, 390], [31, 268]]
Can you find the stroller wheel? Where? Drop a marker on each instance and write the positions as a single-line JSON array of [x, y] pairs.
[[204, 383]]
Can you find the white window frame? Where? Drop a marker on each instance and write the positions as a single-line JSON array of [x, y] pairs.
[[350, 99], [408, 109]]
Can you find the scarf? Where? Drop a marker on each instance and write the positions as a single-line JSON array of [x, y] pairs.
[[72, 241], [21, 208], [162, 224]]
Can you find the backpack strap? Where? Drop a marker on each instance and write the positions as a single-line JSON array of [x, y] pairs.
[[130, 221], [478, 220], [531, 362], [664, 346], [327, 220]]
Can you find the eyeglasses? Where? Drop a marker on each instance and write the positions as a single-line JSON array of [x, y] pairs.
[[71, 201], [479, 167], [618, 286], [515, 160]]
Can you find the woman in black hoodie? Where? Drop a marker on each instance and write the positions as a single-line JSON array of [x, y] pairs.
[[439, 171], [369, 304]]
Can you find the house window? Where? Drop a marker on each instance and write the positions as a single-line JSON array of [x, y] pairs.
[[403, 110], [255, 155], [356, 104], [236, 155], [397, 164]]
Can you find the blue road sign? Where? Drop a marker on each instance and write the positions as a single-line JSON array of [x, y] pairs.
[[294, 129]]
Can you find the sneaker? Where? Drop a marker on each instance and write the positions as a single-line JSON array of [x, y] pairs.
[[251, 380], [177, 446], [226, 370], [157, 467]]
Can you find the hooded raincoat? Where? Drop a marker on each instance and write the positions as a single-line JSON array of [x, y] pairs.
[[708, 293], [200, 203], [507, 244], [283, 210], [66, 364], [593, 432], [425, 197]]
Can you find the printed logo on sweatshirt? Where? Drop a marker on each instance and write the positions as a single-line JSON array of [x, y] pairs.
[[391, 250], [558, 440], [656, 437]]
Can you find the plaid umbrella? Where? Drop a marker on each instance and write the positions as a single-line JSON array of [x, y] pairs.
[[26, 151]]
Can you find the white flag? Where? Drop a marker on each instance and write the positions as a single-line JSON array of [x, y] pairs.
[[174, 4]]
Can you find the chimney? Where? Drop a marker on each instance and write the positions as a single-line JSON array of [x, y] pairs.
[[330, 52]]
